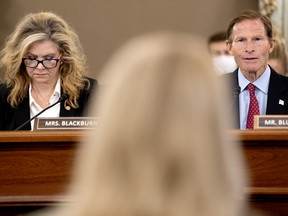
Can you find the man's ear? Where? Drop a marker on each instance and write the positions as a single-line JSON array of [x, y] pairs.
[[271, 44]]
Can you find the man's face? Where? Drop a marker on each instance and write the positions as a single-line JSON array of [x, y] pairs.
[[218, 48], [250, 47]]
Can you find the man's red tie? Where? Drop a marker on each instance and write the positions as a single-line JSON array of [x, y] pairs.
[[253, 107]]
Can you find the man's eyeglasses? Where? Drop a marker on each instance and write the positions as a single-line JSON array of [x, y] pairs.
[[47, 63]]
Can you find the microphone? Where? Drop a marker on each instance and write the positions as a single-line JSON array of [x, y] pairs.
[[62, 98], [236, 91]]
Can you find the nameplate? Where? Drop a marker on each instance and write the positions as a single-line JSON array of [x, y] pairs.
[[271, 122], [65, 123]]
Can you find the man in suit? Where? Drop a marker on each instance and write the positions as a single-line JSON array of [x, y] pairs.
[[249, 40]]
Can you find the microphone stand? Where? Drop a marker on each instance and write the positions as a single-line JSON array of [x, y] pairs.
[[62, 98]]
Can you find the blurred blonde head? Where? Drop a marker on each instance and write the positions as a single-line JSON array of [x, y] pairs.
[[160, 149]]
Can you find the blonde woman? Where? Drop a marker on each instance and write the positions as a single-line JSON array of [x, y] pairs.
[[41, 60], [160, 148]]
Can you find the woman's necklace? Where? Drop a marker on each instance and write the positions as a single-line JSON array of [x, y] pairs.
[[42, 101]]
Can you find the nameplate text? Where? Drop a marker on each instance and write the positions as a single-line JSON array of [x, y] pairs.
[[65, 123], [271, 122]]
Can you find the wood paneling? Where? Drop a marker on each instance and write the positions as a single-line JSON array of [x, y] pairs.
[[36, 167]]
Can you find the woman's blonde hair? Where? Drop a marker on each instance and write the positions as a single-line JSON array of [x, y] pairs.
[[37, 27], [160, 148], [280, 51]]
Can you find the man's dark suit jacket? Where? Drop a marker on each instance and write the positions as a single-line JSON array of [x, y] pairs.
[[277, 90], [12, 118]]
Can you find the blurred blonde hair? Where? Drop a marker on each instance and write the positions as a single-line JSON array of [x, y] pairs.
[[37, 27], [160, 149], [280, 51]]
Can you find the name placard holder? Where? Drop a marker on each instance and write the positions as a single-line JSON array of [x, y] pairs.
[[271, 122], [65, 123]]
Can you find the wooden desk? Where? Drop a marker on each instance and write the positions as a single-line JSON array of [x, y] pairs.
[[266, 153], [36, 167]]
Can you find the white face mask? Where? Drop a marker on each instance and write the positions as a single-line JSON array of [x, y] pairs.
[[224, 64]]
